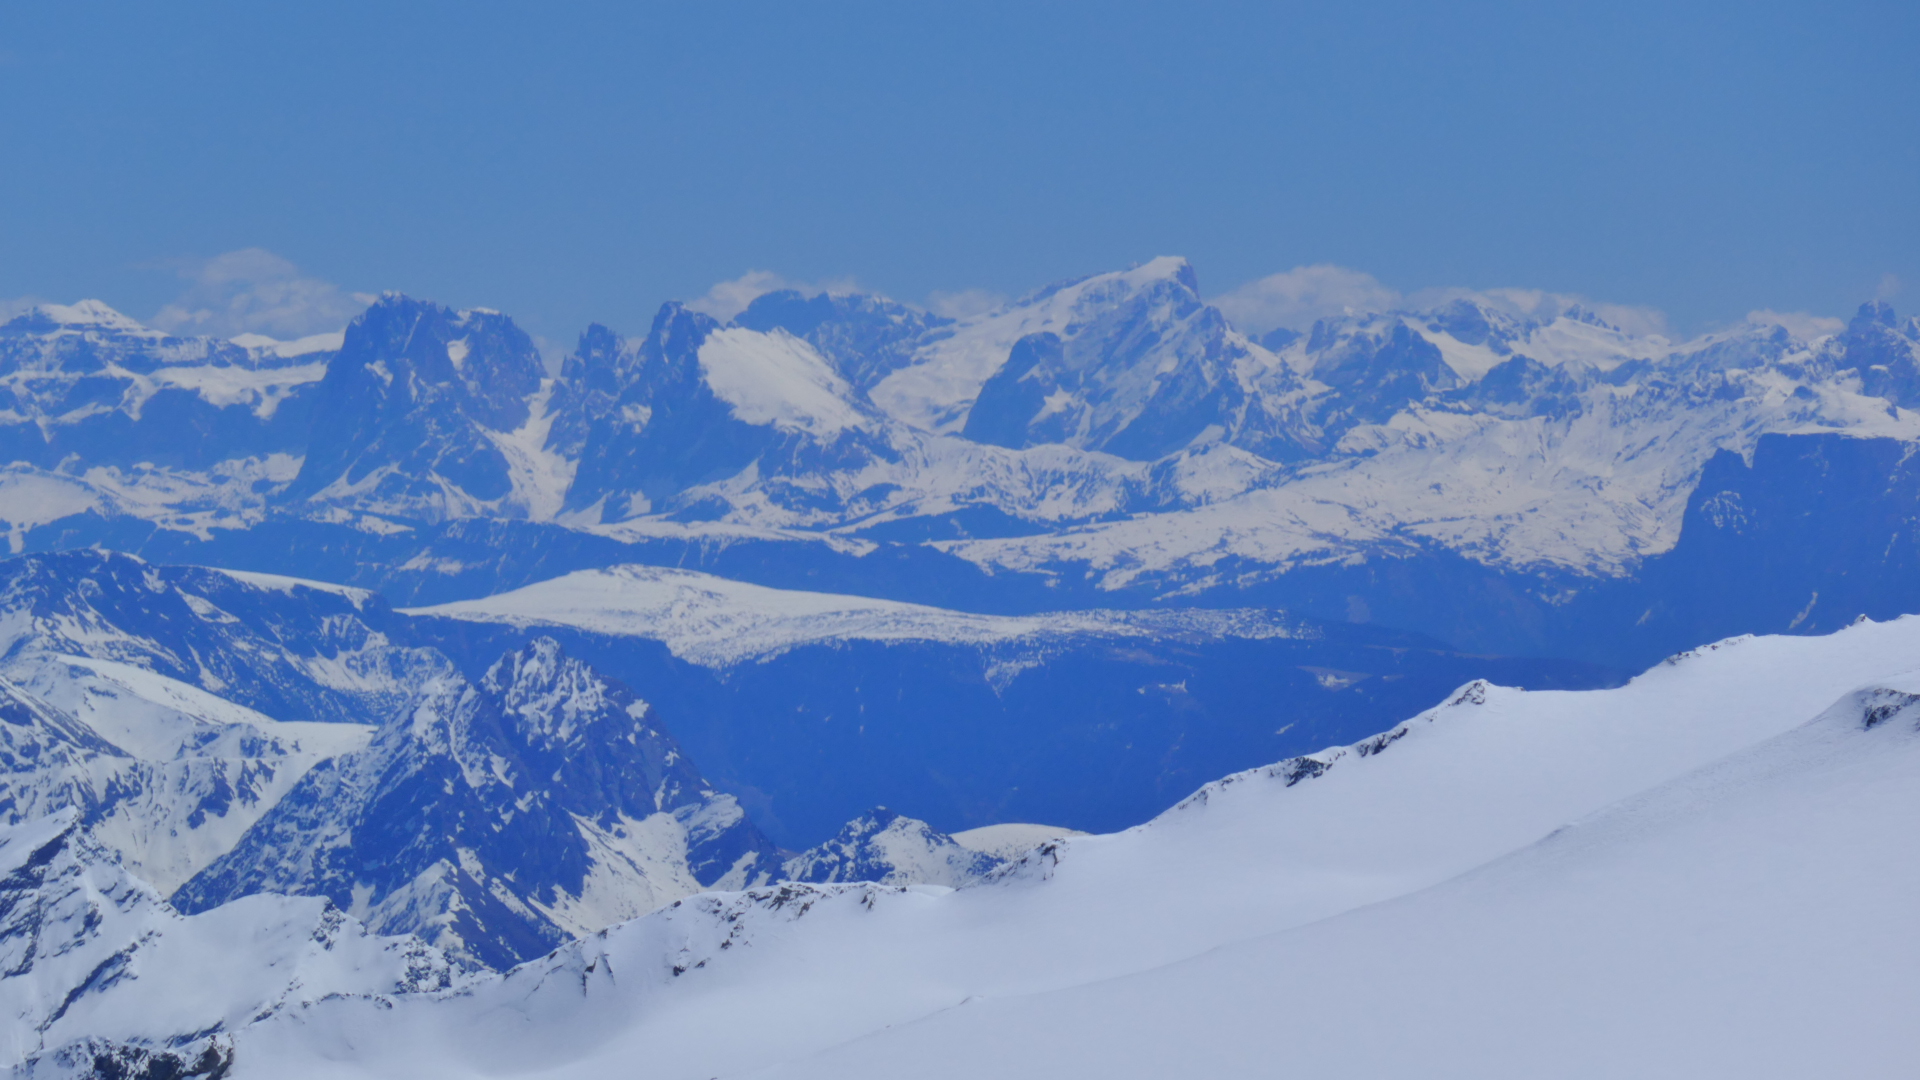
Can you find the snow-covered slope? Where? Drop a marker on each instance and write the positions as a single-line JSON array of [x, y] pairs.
[[713, 621], [1747, 920], [164, 774], [157, 696], [885, 847], [1699, 796], [497, 815], [102, 416], [1012, 839], [496, 820], [94, 965], [84, 379], [288, 649]]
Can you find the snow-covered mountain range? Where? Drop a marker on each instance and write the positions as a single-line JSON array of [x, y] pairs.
[[1704, 870], [553, 714], [1110, 441]]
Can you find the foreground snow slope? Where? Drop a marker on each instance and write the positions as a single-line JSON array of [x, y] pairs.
[[1489, 773], [89, 953], [1752, 919]]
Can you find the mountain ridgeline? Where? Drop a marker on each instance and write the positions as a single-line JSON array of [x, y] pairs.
[[405, 700], [1509, 483]]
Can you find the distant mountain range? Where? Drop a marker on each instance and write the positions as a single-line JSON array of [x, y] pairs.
[[1107, 442]]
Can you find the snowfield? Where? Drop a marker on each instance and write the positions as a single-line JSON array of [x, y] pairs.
[[718, 622], [1701, 873]]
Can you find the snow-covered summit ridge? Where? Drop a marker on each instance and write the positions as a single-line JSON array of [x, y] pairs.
[[288, 651], [885, 847]]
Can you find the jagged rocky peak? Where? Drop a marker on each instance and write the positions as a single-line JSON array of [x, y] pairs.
[[866, 337], [498, 819], [595, 736], [1377, 368], [703, 403], [413, 410], [1521, 386], [889, 848], [1883, 351], [592, 378], [1472, 323], [597, 362], [1133, 363]]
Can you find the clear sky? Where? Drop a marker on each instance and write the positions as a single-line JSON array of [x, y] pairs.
[[585, 161]]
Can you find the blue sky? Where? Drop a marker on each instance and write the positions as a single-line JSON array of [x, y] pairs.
[[577, 162]]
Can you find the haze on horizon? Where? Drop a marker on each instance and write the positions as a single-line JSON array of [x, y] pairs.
[[229, 169]]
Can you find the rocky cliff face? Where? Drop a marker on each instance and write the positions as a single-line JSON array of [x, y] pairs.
[[498, 819], [420, 412]]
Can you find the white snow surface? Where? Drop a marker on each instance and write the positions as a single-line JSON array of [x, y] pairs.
[[935, 392], [1750, 919], [301, 346], [1706, 872], [199, 770], [1012, 839], [777, 379], [90, 952], [719, 622], [285, 584]]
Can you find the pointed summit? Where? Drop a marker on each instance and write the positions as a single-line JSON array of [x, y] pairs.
[[412, 407], [888, 847], [84, 315], [1873, 313]]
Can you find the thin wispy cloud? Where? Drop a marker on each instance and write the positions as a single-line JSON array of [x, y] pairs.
[[1803, 325], [18, 305], [1297, 298], [965, 303], [254, 291], [1544, 306]]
